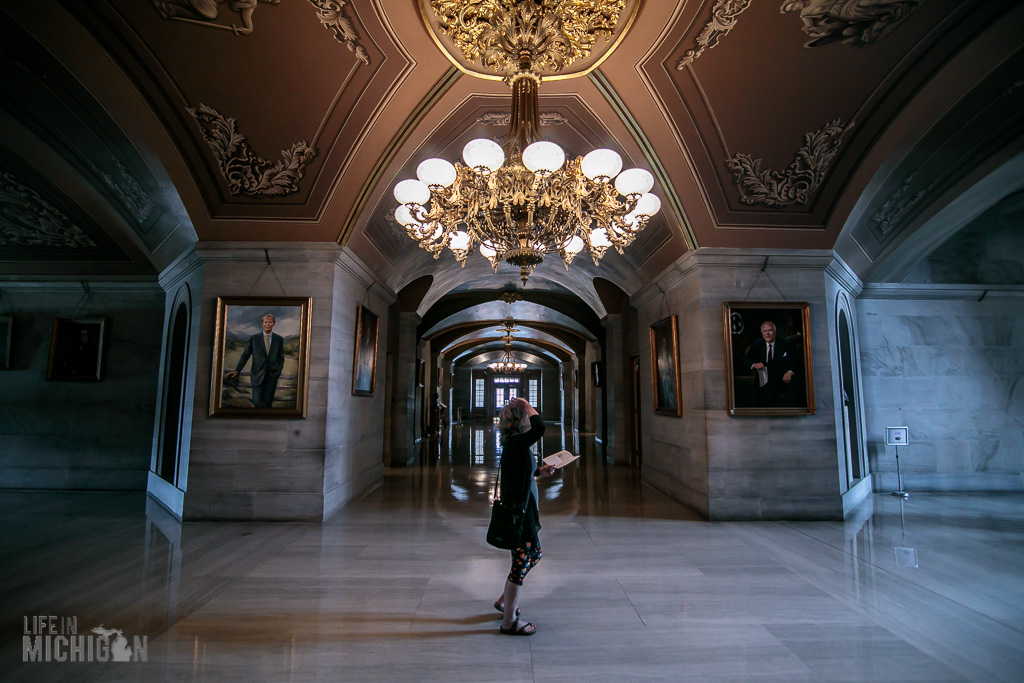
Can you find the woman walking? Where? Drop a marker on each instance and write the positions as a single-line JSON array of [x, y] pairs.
[[520, 426]]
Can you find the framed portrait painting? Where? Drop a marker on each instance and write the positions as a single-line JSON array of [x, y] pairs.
[[665, 366], [364, 360], [768, 358], [6, 322], [76, 349], [260, 357]]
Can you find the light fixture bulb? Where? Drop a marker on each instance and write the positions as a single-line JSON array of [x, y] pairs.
[[599, 238], [634, 181], [575, 245], [404, 216], [543, 157], [412, 192], [436, 172], [483, 153], [647, 205], [601, 163]]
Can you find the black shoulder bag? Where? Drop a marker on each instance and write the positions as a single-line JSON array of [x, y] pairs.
[[507, 521]]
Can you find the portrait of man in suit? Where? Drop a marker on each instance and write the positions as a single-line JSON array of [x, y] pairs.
[[266, 349], [769, 365], [774, 363]]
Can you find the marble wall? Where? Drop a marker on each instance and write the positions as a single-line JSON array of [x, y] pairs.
[[739, 467], [289, 468], [80, 435], [951, 368]]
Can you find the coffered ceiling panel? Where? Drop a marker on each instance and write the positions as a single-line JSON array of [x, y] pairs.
[[268, 119], [776, 102]]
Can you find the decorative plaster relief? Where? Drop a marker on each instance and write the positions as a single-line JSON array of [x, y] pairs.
[[26, 220], [723, 19], [897, 206], [547, 118], [128, 190], [798, 182], [855, 22], [244, 171], [329, 14], [205, 12]]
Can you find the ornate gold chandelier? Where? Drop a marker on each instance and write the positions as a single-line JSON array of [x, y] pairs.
[[522, 199], [508, 363]]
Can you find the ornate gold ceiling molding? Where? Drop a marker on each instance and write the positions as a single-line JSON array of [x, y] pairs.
[[27, 220], [206, 12], [244, 171], [723, 19], [547, 118], [800, 181], [854, 22], [484, 38]]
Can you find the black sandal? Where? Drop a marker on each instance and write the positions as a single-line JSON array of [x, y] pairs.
[[518, 630]]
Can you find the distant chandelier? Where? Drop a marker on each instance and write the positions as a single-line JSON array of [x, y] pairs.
[[522, 199], [508, 363]]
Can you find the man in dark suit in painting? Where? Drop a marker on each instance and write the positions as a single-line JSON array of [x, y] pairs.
[[267, 352], [774, 362]]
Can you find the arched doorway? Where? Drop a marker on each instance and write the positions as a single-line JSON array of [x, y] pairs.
[[174, 384], [849, 397]]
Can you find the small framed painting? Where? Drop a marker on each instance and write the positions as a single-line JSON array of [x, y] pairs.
[[665, 366], [364, 360], [768, 358], [76, 349]]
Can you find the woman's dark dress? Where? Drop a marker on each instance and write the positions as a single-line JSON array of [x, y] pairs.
[[518, 468]]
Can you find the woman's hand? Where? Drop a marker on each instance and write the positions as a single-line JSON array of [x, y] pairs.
[[546, 470]]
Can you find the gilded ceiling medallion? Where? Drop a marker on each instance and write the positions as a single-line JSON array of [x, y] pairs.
[[560, 38]]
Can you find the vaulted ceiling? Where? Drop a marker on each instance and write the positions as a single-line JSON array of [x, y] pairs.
[[131, 129]]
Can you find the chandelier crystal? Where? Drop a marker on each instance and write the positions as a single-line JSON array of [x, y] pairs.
[[523, 199]]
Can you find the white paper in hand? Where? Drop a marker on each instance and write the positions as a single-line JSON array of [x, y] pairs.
[[560, 459]]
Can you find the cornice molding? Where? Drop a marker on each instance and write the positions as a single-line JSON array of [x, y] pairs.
[[721, 257], [904, 292], [181, 268], [841, 272]]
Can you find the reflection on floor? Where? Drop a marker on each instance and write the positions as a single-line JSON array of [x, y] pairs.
[[399, 585]]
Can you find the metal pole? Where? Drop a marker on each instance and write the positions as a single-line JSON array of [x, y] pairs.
[[899, 478]]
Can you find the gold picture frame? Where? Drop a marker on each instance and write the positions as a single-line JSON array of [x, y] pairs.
[[364, 356], [766, 390], [255, 374], [665, 367], [76, 350]]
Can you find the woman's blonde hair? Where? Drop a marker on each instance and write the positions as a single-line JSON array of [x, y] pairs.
[[512, 421]]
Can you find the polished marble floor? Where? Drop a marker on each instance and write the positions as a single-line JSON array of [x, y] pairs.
[[398, 586]]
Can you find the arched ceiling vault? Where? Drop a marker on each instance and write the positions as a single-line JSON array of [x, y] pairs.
[[763, 128]]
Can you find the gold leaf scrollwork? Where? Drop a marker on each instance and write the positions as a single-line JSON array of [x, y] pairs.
[[723, 19], [797, 183], [245, 172], [497, 33]]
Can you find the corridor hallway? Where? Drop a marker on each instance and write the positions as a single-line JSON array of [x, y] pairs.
[[398, 586]]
